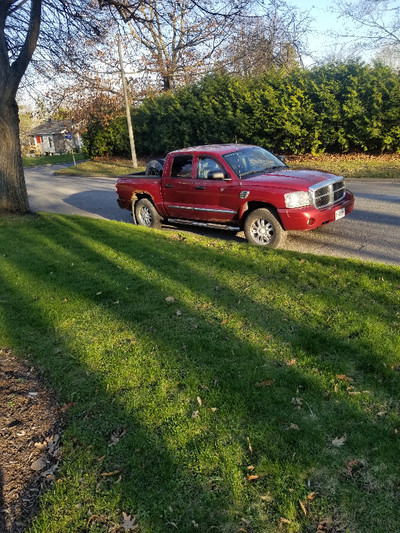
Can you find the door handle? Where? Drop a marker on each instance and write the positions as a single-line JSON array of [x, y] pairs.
[[169, 186], [200, 187]]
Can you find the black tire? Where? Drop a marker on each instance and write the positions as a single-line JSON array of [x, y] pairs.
[[263, 228], [155, 167], [146, 214]]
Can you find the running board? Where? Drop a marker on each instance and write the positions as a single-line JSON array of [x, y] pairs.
[[203, 224]]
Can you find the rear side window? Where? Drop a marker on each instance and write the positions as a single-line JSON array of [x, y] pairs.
[[182, 166]]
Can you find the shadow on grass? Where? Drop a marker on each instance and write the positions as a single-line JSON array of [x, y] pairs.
[[136, 385]]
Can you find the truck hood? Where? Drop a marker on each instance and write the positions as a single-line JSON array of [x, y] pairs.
[[289, 179]]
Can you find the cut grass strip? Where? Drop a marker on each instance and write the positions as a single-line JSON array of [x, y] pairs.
[[97, 168], [29, 162], [351, 165], [214, 385]]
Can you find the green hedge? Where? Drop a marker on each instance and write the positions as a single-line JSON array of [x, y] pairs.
[[337, 107]]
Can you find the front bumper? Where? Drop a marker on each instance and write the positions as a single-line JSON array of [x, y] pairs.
[[309, 217]]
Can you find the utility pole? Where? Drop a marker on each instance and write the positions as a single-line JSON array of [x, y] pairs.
[[128, 111]]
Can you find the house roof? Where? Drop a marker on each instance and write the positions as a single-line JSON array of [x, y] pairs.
[[51, 127]]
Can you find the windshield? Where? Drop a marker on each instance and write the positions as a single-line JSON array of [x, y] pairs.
[[246, 162]]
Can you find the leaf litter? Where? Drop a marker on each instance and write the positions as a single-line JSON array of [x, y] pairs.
[[29, 441]]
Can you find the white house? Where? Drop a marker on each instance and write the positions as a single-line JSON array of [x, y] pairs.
[[53, 137]]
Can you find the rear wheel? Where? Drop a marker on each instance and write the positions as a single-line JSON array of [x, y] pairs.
[[146, 214], [263, 228]]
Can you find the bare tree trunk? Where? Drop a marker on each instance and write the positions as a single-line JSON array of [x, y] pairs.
[[13, 193]]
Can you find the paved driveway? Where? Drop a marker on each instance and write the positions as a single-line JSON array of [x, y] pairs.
[[371, 232]]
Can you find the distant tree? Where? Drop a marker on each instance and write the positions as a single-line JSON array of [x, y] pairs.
[[179, 37], [51, 27], [375, 24]]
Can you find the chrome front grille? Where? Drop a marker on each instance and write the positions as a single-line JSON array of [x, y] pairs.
[[327, 192]]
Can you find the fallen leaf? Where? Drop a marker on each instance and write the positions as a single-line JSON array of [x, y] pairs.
[[294, 426], [178, 313], [98, 293], [311, 496], [343, 377], [213, 409], [350, 465], [195, 414], [303, 507], [38, 465], [199, 401], [170, 299], [128, 522], [267, 497], [251, 467], [265, 383], [116, 437], [339, 441], [291, 362], [195, 524], [250, 448], [67, 406], [297, 401], [252, 477], [106, 474], [283, 521]]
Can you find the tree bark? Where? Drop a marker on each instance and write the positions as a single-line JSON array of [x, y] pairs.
[[13, 193]]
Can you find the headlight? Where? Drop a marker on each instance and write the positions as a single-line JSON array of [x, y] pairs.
[[297, 199]]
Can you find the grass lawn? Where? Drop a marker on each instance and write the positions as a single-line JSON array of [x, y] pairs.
[[347, 165], [213, 386], [102, 167], [386, 166], [29, 162]]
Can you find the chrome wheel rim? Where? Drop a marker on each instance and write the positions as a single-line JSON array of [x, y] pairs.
[[262, 232], [144, 216]]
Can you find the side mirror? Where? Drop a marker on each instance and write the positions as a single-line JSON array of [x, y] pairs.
[[217, 175]]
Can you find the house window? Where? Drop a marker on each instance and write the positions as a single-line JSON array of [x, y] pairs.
[[50, 142]]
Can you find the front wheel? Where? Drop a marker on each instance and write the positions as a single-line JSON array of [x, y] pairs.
[[262, 228], [146, 214]]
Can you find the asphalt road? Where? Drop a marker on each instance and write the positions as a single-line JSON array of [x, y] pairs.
[[371, 232]]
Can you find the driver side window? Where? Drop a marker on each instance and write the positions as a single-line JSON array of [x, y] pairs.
[[206, 165]]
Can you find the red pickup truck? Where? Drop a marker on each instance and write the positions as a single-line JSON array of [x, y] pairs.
[[241, 187]]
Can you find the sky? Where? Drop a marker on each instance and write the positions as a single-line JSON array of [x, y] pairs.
[[322, 43]]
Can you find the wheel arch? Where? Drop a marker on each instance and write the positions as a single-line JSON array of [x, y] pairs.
[[249, 207], [134, 200]]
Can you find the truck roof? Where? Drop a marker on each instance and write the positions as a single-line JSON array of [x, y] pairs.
[[219, 149]]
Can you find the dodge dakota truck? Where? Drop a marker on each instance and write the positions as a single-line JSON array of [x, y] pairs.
[[240, 187]]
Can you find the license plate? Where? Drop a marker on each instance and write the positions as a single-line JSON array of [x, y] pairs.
[[340, 213]]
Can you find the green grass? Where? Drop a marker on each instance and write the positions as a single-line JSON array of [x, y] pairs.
[[351, 165], [29, 162], [245, 370], [102, 168], [347, 165]]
